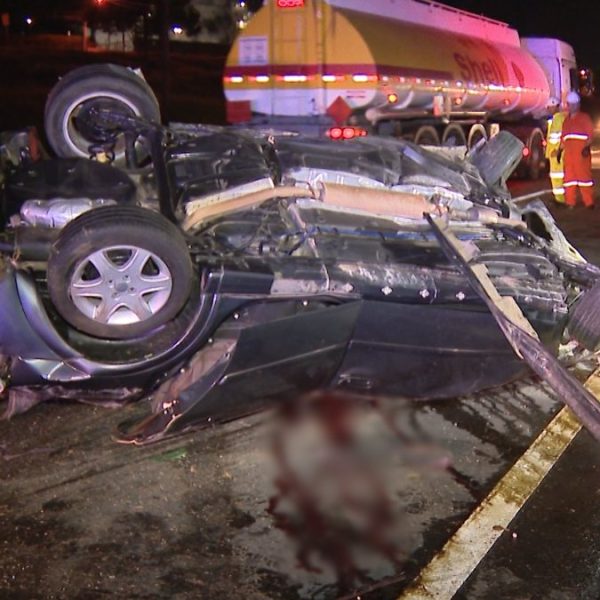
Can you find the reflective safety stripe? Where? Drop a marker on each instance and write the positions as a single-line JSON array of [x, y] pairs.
[[554, 138], [558, 191], [576, 136], [580, 183], [557, 175]]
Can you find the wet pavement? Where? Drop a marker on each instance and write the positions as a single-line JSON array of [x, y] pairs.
[[339, 498], [220, 513]]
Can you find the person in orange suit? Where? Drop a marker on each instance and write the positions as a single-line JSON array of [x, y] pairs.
[[577, 132]]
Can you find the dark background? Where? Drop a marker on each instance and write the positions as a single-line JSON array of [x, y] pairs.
[[30, 64], [576, 22]]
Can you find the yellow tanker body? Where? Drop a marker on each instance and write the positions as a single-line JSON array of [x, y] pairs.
[[382, 60]]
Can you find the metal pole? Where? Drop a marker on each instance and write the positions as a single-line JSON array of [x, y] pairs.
[[164, 58]]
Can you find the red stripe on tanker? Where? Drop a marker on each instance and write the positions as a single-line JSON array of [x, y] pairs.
[[415, 51]]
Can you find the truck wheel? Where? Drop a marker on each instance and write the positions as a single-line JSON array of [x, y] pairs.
[[536, 156], [427, 136], [476, 134], [94, 86], [119, 272], [454, 135]]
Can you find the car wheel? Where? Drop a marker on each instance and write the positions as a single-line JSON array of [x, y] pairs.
[[103, 86], [119, 272]]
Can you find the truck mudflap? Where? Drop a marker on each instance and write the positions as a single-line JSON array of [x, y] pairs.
[[519, 332], [275, 353]]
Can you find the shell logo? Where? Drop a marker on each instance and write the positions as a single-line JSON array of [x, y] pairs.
[[479, 71], [518, 74]]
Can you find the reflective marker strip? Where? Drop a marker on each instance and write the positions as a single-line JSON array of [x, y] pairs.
[[456, 561], [556, 175], [558, 190], [580, 183], [294, 78], [576, 136]]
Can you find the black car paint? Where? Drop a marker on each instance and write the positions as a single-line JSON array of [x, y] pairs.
[[293, 321]]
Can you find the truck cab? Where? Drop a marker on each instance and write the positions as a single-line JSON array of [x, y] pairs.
[[558, 61]]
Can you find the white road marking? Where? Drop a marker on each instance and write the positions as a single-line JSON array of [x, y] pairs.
[[450, 568]]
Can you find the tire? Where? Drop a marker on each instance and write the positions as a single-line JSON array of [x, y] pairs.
[[427, 136], [102, 85], [476, 134], [536, 157], [119, 272], [454, 136], [584, 319]]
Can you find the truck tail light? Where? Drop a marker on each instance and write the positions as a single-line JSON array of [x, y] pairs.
[[345, 133], [335, 133], [526, 152]]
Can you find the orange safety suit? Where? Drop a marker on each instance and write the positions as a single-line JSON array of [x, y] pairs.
[[553, 140], [577, 134]]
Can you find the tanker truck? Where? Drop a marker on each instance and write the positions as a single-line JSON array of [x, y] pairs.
[[414, 69]]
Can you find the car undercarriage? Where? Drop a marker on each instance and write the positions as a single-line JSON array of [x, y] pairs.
[[213, 271]]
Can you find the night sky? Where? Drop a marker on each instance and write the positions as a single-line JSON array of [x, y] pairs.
[[574, 21]]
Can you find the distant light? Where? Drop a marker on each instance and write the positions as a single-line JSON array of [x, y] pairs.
[[29, 20], [360, 78], [392, 98], [329, 78], [262, 78], [294, 78], [526, 152], [236, 79], [177, 30]]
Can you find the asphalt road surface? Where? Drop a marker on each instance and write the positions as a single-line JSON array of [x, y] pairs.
[[276, 507]]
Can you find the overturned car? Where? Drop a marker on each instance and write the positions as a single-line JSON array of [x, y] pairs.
[[214, 271]]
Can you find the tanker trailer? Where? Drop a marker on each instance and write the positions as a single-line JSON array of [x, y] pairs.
[[414, 69]]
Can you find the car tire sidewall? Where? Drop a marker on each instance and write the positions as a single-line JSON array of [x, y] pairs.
[[85, 84], [84, 236]]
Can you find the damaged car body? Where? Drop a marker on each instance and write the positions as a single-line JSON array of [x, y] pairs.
[[214, 271]]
